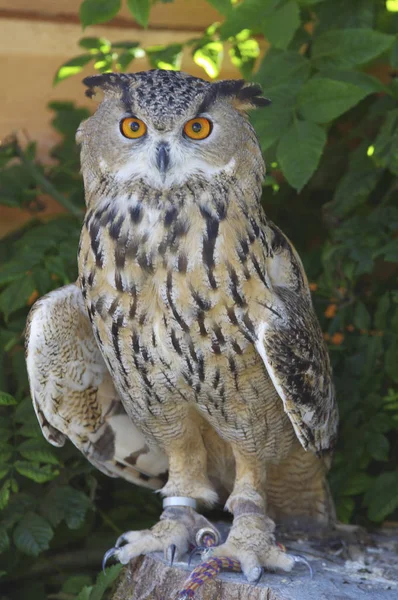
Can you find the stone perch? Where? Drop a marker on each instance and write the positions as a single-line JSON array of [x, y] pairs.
[[364, 568]]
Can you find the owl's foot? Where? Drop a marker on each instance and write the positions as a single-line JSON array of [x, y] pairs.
[[178, 529], [252, 543]]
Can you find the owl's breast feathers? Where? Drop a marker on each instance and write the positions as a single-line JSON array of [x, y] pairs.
[[195, 290]]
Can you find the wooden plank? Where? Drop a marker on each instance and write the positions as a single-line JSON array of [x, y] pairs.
[[180, 14]]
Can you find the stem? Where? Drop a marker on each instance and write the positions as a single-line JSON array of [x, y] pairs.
[[46, 185]]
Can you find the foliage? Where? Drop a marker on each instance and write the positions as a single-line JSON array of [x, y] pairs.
[[330, 143]]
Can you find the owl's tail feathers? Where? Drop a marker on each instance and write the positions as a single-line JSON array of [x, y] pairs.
[[74, 396]]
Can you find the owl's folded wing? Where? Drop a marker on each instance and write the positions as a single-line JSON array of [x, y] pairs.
[[73, 394], [290, 342]]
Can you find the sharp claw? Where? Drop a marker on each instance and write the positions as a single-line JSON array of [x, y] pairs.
[[171, 550], [197, 550], [259, 577], [108, 554], [300, 559], [120, 540]]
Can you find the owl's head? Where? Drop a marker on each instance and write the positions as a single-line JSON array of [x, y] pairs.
[[164, 127]]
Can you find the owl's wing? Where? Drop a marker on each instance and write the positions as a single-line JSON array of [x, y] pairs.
[[73, 394], [290, 342]]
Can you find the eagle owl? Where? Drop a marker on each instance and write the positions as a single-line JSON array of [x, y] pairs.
[[187, 356]]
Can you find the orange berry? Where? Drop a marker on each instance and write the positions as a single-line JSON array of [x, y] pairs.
[[331, 311], [350, 328], [33, 297], [326, 336], [337, 338], [313, 287]]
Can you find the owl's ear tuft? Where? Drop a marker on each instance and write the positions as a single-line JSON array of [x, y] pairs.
[[244, 96], [249, 97], [106, 84]]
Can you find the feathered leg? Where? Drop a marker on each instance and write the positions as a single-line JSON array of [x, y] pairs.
[[251, 539], [179, 525]]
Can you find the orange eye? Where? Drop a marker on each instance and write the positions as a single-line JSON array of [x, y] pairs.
[[198, 129], [132, 128]]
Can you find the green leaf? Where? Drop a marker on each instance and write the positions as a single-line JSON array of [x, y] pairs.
[[246, 15], [340, 14], [5, 491], [347, 48], [85, 594], [361, 316], [4, 540], [32, 470], [382, 497], [104, 581], [357, 183], [32, 534], [98, 11], [274, 120], [280, 25], [391, 360], [283, 69], [140, 10], [209, 57], [378, 446], [72, 67], [345, 508], [66, 503], [244, 54], [357, 484], [361, 80], [37, 451], [165, 57], [386, 143], [96, 44], [321, 100], [16, 295], [394, 55], [299, 152], [125, 58], [223, 6], [380, 318], [6, 399], [75, 583]]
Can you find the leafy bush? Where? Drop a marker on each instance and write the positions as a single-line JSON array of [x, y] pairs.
[[330, 140]]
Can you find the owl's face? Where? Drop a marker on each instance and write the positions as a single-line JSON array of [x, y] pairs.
[[164, 127]]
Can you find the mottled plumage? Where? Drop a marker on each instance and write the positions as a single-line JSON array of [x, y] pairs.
[[201, 311]]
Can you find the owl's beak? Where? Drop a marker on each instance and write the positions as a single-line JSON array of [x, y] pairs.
[[163, 157]]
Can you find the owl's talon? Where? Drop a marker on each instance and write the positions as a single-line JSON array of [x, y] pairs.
[[300, 559], [170, 553], [196, 550], [121, 540], [260, 571], [108, 554]]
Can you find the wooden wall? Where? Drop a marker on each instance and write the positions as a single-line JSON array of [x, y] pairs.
[[37, 36]]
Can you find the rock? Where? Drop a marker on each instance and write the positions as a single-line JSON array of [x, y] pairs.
[[361, 569]]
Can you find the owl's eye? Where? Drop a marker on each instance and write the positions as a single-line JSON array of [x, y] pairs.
[[198, 129], [132, 128]]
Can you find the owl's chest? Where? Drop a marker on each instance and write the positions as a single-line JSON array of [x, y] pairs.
[[172, 295]]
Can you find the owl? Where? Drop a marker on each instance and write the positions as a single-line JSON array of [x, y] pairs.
[[187, 356]]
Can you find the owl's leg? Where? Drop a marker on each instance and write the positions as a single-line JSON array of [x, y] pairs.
[[178, 529], [251, 539], [178, 526]]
